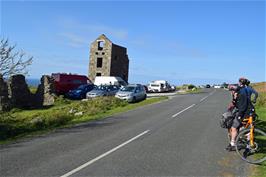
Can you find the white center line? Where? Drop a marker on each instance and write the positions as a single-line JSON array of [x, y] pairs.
[[212, 92], [207, 96], [204, 98], [103, 155], [183, 110]]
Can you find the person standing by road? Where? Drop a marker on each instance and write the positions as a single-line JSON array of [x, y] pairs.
[[242, 105]]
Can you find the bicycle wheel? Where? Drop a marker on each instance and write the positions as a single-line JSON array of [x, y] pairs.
[[256, 154]]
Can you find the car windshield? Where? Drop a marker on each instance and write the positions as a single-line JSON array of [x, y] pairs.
[[81, 87], [101, 88], [128, 89]]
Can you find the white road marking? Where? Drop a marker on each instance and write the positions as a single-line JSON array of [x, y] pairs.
[[204, 98], [212, 92], [207, 96], [183, 110], [103, 155]]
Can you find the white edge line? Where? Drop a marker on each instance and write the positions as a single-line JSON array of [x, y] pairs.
[[183, 110], [103, 155]]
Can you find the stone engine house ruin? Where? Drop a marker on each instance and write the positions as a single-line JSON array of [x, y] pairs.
[[108, 59]]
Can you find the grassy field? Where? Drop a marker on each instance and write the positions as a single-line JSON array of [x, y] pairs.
[[261, 122], [20, 123], [32, 89]]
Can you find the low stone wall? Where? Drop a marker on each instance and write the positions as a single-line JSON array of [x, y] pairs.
[[15, 93]]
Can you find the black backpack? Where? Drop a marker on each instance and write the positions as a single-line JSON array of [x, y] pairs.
[[226, 120]]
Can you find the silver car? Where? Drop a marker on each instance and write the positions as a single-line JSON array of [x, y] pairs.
[[103, 90], [132, 93]]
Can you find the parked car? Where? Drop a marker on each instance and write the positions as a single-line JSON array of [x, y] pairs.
[[159, 86], [80, 92], [132, 93], [173, 88], [217, 86], [146, 88], [109, 80], [103, 90], [66, 82], [208, 86]]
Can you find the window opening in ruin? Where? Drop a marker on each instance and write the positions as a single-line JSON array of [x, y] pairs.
[[96, 53], [103, 53], [98, 74], [100, 45], [99, 62]]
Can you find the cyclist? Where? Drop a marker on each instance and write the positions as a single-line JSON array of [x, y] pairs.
[[232, 104], [241, 103], [251, 91]]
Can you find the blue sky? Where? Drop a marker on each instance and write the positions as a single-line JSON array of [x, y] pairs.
[[195, 42]]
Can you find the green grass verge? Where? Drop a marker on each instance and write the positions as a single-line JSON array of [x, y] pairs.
[[260, 170], [20, 123]]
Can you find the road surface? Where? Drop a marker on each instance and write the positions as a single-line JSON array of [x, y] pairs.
[[177, 137]]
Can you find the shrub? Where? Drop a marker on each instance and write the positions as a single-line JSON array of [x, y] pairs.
[[190, 87], [57, 118], [60, 100], [97, 105]]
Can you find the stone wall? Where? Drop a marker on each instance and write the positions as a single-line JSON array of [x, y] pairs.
[[4, 100], [19, 92], [16, 93], [115, 60], [104, 53], [45, 95], [119, 62]]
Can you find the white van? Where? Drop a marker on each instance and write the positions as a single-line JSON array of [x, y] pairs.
[[109, 80], [159, 86]]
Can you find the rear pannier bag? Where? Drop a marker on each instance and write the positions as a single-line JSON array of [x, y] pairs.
[[227, 120]]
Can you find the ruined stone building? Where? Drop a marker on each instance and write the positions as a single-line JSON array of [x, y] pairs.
[[108, 59], [15, 93]]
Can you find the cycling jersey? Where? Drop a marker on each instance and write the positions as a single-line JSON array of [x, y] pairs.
[[251, 91]]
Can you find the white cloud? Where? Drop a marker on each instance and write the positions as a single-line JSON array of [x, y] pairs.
[[79, 34], [74, 40]]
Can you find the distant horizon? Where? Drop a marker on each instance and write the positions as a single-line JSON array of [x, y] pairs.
[[36, 81]]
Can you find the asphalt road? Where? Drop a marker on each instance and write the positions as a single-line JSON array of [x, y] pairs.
[[178, 137]]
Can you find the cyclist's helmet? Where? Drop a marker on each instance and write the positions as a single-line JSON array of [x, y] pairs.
[[242, 81]]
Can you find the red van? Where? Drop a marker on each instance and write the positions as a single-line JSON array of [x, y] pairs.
[[66, 82]]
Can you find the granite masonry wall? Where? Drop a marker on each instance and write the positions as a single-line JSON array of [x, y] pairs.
[[15, 93], [4, 100]]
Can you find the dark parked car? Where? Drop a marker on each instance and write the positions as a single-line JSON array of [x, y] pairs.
[[80, 92], [208, 86], [103, 90]]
